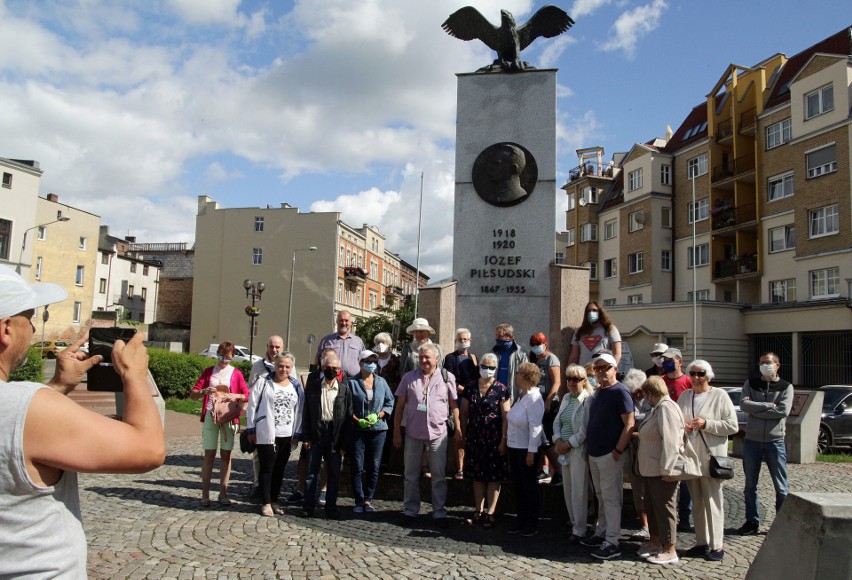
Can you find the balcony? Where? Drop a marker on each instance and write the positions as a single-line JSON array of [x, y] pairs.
[[724, 130], [394, 290], [738, 264], [726, 215], [747, 121], [733, 168], [354, 274], [591, 169]]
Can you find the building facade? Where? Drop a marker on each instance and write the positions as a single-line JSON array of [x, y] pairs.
[[126, 285], [20, 186]]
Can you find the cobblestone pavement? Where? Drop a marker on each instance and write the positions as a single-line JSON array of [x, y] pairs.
[[152, 526]]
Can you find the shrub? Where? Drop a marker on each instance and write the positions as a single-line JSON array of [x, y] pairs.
[[176, 373], [32, 370]]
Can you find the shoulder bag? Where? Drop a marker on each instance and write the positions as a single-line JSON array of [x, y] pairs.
[[721, 466], [225, 410]]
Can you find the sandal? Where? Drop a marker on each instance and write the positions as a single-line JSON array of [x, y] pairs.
[[224, 499], [459, 475], [266, 511], [473, 519], [277, 510], [488, 521]]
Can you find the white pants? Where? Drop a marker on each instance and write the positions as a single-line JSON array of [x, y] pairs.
[[609, 487], [708, 511], [575, 488]]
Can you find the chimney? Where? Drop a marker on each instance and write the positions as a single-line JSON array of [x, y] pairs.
[[53, 197]]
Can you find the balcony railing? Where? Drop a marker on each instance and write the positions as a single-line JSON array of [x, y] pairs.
[[726, 215], [355, 274], [724, 129], [747, 120], [593, 169], [734, 167], [742, 264]]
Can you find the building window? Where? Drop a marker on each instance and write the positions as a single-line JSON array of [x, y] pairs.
[[780, 186], [779, 133], [666, 260], [611, 268], [696, 166], [610, 229], [373, 300], [593, 270], [38, 268], [258, 223], [7, 180], [78, 280], [257, 256], [609, 302], [590, 194], [634, 179], [78, 307], [666, 217], [102, 286], [132, 267], [825, 283], [358, 302], [144, 270], [82, 242], [5, 238], [142, 317], [131, 290], [701, 255], [666, 174], [560, 258], [41, 233], [570, 236], [635, 221], [823, 221], [699, 295], [144, 294], [104, 258], [634, 299], [570, 202], [699, 212], [348, 257], [635, 262], [782, 291], [589, 233], [820, 101], [822, 161], [341, 258], [781, 239]]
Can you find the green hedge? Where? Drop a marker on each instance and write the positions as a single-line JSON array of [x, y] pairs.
[[176, 373], [31, 370]]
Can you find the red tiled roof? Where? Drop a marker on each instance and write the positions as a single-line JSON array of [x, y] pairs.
[[696, 118]]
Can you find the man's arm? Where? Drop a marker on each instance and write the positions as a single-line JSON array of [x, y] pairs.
[[71, 365], [756, 408], [61, 435], [626, 433]]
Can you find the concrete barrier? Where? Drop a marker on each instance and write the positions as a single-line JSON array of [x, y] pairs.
[[808, 539]]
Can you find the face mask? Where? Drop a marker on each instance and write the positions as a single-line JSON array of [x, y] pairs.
[[505, 344], [658, 360], [329, 373], [370, 367], [381, 348], [593, 316], [593, 382], [487, 373], [668, 366], [464, 345], [537, 350], [767, 369]]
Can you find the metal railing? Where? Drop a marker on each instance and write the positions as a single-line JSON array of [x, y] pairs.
[[733, 167]]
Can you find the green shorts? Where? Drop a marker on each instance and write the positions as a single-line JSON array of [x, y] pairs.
[[215, 436]]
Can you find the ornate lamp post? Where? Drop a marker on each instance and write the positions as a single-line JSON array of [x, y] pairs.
[[253, 291], [292, 277]]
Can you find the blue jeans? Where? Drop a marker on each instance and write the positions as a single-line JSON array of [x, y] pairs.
[[320, 450], [367, 445], [775, 455]]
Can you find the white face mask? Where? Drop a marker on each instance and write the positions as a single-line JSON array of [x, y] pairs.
[[463, 345], [381, 348], [487, 373], [658, 360], [767, 369]]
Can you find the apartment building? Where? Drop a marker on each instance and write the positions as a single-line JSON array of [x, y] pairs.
[[329, 265], [19, 188], [733, 234], [126, 285]]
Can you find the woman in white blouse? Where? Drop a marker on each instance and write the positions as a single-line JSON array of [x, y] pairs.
[[710, 417], [524, 437]]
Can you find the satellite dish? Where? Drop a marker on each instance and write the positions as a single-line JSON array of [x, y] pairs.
[[583, 202]]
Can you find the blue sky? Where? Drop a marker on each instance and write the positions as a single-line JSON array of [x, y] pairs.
[[134, 109]]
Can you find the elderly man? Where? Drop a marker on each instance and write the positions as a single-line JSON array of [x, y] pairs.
[[425, 398], [607, 436], [421, 334], [326, 431], [768, 401], [347, 345], [510, 356], [45, 438]]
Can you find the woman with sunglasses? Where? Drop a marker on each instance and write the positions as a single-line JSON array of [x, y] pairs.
[[219, 381], [485, 403], [569, 431], [710, 417]]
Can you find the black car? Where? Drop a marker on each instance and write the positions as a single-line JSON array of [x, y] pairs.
[[835, 426]]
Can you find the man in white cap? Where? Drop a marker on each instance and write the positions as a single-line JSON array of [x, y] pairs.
[[347, 345], [657, 358], [420, 333], [607, 436], [45, 438]]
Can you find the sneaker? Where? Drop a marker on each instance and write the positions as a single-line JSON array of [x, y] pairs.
[[296, 497], [606, 551], [749, 529], [543, 477], [664, 558], [648, 550], [359, 509], [368, 508], [641, 536], [556, 480], [697, 551], [574, 540], [321, 501], [592, 541], [715, 555]]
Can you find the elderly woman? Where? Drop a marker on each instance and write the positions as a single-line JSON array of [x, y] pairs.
[[273, 422], [485, 404], [524, 437], [633, 381], [372, 404], [388, 363], [660, 441], [221, 381], [709, 417], [569, 432]]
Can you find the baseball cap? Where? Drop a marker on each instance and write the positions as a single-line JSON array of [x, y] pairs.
[[659, 348], [16, 295], [672, 353], [365, 354], [608, 358]]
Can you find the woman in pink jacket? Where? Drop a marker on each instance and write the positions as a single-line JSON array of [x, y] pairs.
[[219, 381]]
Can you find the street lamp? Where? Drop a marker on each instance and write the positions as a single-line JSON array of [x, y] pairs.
[[59, 218], [292, 277], [253, 291]]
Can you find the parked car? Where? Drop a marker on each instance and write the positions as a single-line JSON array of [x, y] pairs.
[[835, 426], [241, 353], [736, 394], [51, 348]]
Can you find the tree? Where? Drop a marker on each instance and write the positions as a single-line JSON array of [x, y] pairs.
[[384, 320]]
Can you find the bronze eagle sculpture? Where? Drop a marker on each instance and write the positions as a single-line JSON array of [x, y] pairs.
[[508, 40]]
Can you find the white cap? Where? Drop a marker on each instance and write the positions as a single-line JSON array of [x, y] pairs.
[[17, 296], [419, 324], [604, 357], [659, 348], [366, 354]]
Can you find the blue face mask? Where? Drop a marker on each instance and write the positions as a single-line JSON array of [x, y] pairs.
[[669, 366], [537, 350], [370, 367], [593, 382], [505, 344], [593, 316]]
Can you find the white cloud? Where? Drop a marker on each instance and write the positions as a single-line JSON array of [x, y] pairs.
[[553, 50], [586, 7], [207, 11], [218, 172], [632, 25]]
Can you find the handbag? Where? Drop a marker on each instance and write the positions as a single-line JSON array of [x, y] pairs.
[[246, 446], [451, 425], [721, 466], [225, 410]]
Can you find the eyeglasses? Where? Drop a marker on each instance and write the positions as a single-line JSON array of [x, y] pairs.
[[575, 379], [487, 367], [602, 369], [697, 373], [370, 360]]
